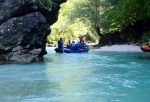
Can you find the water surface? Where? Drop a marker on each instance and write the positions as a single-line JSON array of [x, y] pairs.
[[86, 77]]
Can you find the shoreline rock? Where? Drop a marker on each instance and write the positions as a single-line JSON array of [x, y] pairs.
[[24, 27]]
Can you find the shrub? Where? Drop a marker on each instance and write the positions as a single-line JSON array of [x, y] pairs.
[[146, 37]]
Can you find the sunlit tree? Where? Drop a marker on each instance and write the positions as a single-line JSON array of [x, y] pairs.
[[64, 27]]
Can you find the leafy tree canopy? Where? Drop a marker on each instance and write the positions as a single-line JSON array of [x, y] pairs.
[[98, 17]]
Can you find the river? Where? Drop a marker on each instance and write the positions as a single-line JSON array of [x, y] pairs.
[[85, 77]]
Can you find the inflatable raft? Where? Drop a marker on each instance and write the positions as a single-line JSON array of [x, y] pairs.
[[145, 48], [78, 48]]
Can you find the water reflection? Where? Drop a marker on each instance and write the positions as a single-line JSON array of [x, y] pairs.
[[69, 79]]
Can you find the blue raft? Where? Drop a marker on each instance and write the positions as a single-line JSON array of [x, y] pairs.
[[76, 49], [58, 50], [67, 50]]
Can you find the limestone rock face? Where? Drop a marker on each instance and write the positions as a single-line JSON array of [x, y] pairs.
[[24, 27]]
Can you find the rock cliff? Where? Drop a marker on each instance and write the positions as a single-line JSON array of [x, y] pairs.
[[24, 27]]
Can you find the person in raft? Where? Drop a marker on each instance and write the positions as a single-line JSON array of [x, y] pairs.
[[72, 45], [60, 43], [68, 43], [81, 39]]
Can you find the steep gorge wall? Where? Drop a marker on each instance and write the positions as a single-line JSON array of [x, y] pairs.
[[24, 27]]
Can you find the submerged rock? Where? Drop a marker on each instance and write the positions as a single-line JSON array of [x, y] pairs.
[[24, 27]]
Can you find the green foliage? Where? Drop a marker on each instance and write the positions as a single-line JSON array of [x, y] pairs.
[[146, 37], [146, 8], [98, 13], [68, 28], [65, 30], [82, 16], [88, 11], [127, 12], [111, 15]]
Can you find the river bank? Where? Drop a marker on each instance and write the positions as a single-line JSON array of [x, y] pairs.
[[125, 48]]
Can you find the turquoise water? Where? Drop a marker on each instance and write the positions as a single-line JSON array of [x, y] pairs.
[[86, 77]]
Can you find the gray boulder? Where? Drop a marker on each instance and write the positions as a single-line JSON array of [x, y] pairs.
[[24, 27]]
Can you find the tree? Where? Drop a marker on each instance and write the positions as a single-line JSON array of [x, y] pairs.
[[91, 13], [65, 28], [100, 16], [107, 16]]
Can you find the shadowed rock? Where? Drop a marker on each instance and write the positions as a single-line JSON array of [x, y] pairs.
[[24, 27]]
